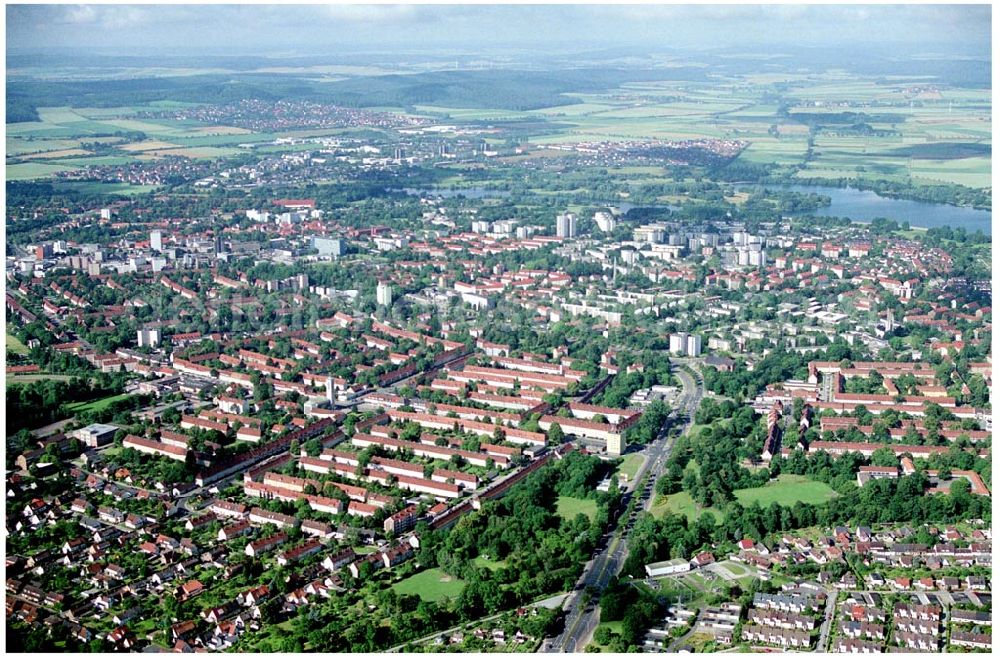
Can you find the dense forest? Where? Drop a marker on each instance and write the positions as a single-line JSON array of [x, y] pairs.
[[505, 89]]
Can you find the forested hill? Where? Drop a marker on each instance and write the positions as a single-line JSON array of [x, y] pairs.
[[503, 89], [493, 88]]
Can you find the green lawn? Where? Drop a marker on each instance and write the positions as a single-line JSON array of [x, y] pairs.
[[681, 503], [490, 564], [430, 585], [630, 465], [696, 429], [738, 569], [786, 490], [15, 345], [38, 377], [93, 406], [568, 507]]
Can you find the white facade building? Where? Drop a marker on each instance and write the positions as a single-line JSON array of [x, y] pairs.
[[148, 338], [566, 225], [383, 294]]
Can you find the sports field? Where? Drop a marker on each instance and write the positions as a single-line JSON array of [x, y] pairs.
[[430, 585]]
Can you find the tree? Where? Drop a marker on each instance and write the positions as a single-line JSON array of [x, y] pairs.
[[555, 434], [884, 457]]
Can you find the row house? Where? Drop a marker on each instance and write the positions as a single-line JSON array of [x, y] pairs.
[[259, 547], [925, 626], [318, 529], [867, 630], [919, 612], [226, 509], [235, 530], [785, 602], [862, 613], [971, 617], [333, 563], [265, 517], [776, 636], [916, 641], [300, 552], [779, 619], [401, 521], [853, 646], [971, 640]]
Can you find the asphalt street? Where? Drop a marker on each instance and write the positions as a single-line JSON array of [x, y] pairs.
[[583, 613]]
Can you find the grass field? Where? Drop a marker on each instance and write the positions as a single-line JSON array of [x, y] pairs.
[[430, 585], [93, 406], [630, 465], [104, 188], [15, 345], [786, 490], [34, 171], [568, 507], [490, 564], [930, 136], [682, 504], [38, 377], [37, 150]]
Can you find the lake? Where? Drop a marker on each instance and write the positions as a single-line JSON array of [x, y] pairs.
[[859, 205], [854, 204]]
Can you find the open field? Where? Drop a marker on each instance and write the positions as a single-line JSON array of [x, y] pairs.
[[105, 188], [786, 490], [58, 142], [630, 465], [889, 128], [681, 504], [14, 344], [569, 507], [490, 564], [34, 171], [38, 377], [93, 406], [145, 145], [430, 585], [197, 152]]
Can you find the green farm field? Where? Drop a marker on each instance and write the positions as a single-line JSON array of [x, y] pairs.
[[38, 150], [898, 129]]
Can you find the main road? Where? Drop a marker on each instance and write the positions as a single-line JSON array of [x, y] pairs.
[[582, 612]]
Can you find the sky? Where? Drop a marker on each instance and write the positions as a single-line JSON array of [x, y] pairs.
[[328, 29]]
